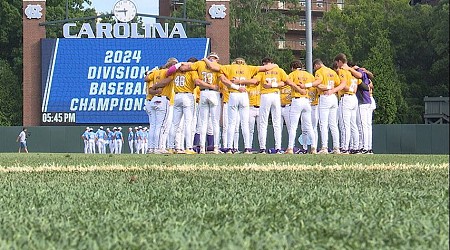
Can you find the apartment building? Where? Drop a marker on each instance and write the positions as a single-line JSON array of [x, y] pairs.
[[295, 37]]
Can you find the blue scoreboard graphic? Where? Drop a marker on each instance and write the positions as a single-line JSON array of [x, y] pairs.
[[101, 81]]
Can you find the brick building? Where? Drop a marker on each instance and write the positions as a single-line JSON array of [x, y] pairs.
[[295, 37]]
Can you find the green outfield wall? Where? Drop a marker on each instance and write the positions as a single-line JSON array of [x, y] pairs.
[[387, 139]]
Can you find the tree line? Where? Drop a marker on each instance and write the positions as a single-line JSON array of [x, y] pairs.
[[406, 47]]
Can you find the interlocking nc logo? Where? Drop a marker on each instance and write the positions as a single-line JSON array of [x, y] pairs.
[[33, 11], [218, 11]]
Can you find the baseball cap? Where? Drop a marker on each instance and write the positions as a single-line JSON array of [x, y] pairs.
[[140, 127], [114, 128], [87, 128], [214, 54], [135, 127], [119, 128], [239, 60], [101, 127]]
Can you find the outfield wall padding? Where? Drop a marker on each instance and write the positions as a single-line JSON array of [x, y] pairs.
[[387, 139]]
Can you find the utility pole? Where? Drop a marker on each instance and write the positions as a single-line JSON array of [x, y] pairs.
[[309, 38]]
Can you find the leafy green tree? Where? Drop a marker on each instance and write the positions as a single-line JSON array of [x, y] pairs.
[[418, 47], [194, 10], [10, 96]]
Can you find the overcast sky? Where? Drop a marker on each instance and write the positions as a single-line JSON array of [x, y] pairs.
[[143, 7]]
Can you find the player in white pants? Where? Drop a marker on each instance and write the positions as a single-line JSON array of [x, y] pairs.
[[254, 95], [236, 76], [184, 110], [270, 82], [130, 139], [91, 141], [328, 83], [349, 106], [85, 137], [111, 141], [162, 106], [286, 101], [300, 107], [100, 136], [119, 140]]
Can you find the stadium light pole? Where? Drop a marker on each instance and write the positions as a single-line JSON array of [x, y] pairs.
[[309, 38]]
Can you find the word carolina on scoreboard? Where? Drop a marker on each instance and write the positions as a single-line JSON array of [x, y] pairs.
[[101, 81]]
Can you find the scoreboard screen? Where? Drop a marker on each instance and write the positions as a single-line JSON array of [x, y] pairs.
[[101, 81]]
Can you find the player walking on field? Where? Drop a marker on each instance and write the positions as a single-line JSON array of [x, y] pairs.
[[328, 84], [300, 107], [85, 137], [22, 139], [119, 140], [100, 136], [131, 139]]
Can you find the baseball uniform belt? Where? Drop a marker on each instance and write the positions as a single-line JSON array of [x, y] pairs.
[[254, 106], [299, 97], [208, 90], [287, 105], [183, 92], [163, 96]]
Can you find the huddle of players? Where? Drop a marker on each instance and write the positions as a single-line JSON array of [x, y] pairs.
[[196, 96], [103, 139]]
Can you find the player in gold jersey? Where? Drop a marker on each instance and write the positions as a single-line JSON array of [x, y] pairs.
[[348, 106], [162, 106], [328, 84], [300, 107], [234, 76]]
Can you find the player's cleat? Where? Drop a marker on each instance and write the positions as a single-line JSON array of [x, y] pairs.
[[190, 152], [345, 152], [363, 151], [262, 151], [248, 151], [180, 151], [289, 151], [170, 151], [355, 152], [323, 151], [313, 151], [202, 151], [216, 151], [370, 152], [279, 151], [336, 151], [229, 151]]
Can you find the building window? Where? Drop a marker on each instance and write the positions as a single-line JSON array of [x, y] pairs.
[[319, 3], [340, 4], [302, 22], [281, 5], [281, 44]]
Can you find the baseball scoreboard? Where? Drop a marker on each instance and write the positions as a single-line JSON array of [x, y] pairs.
[[101, 81]]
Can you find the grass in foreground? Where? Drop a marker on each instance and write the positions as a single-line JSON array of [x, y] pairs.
[[401, 206]]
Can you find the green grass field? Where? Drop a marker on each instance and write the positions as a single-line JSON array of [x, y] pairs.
[[76, 201]]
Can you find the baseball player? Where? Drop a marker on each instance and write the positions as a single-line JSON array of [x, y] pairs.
[[100, 136], [91, 141], [22, 139], [119, 140], [254, 97], [183, 111], [131, 139], [111, 140], [210, 103], [328, 84], [365, 102], [162, 106], [236, 76], [300, 107], [270, 82], [285, 101], [85, 137]]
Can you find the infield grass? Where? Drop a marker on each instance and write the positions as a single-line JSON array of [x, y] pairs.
[[76, 201]]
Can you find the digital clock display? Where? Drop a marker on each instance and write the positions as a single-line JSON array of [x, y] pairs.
[[58, 118]]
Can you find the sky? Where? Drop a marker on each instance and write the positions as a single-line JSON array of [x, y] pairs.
[[143, 7]]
